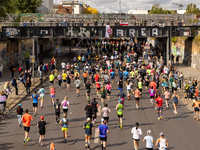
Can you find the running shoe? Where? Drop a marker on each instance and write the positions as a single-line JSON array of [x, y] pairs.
[[176, 113], [195, 117], [120, 126], [108, 100], [86, 145], [28, 139], [161, 117], [197, 120], [137, 107], [24, 142], [158, 118]]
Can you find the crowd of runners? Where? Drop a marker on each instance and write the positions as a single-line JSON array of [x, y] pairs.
[[134, 73]]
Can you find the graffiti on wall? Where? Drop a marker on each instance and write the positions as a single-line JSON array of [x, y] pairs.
[[195, 60], [4, 59]]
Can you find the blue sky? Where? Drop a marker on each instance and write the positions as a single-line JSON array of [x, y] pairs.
[[112, 6]]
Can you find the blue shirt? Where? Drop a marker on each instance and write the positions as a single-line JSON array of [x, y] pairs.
[[126, 73], [35, 98], [149, 140], [120, 74], [103, 130], [64, 123], [112, 73], [83, 58]]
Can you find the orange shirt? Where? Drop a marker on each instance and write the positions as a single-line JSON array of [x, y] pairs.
[[196, 104], [52, 91], [52, 146], [137, 93], [196, 93], [85, 74], [27, 120], [153, 84]]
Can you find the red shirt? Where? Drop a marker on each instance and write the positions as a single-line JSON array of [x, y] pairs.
[[159, 101], [96, 77], [153, 84], [52, 61]]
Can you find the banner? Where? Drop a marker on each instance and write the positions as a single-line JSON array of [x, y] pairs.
[[108, 31], [2, 98], [123, 23], [57, 49]]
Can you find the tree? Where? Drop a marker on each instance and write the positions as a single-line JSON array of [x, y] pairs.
[[3, 5], [192, 9], [90, 10], [157, 9]]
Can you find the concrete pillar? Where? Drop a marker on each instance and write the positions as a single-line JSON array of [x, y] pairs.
[[167, 51]]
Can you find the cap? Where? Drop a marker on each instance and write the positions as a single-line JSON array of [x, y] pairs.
[[120, 100], [88, 119], [42, 117], [102, 120], [20, 104], [161, 133], [88, 102]]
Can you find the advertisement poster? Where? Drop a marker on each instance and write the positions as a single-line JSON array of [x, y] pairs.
[[174, 50], [57, 49]]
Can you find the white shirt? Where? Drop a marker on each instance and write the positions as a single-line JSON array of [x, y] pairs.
[[136, 133], [67, 104], [63, 65], [112, 57], [105, 112]]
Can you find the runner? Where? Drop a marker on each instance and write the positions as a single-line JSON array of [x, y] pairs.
[[68, 82], [120, 85], [126, 76], [56, 74], [98, 86], [129, 84], [140, 86], [77, 82], [167, 96], [175, 98], [88, 87], [85, 77], [196, 106], [63, 64], [64, 77], [88, 109], [159, 104], [137, 97], [108, 89], [137, 132], [42, 94], [106, 112], [152, 83], [103, 96], [59, 80], [42, 125], [121, 96], [119, 108], [65, 104], [19, 114], [26, 119], [34, 99], [52, 94], [146, 83], [103, 131], [95, 105], [149, 140], [162, 142], [64, 123], [57, 107], [88, 126], [152, 94], [51, 79]]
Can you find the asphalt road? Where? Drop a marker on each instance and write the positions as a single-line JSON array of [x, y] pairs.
[[182, 131]]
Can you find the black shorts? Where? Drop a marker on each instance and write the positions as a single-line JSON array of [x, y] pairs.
[[136, 139], [103, 96], [27, 129], [42, 132], [57, 113], [140, 90], [167, 99], [120, 116], [88, 91], [149, 148], [78, 87], [103, 139], [72, 72], [151, 97], [98, 89], [137, 99], [65, 110], [51, 82], [108, 92], [106, 118], [35, 104], [196, 109], [146, 84]]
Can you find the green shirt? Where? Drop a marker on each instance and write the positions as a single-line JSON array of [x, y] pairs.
[[139, 85], [120, 109], [132, 73], [149, 71], [171, 80]]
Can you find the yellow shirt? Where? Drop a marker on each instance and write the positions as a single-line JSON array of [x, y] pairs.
[[77, 74], [64, 75], [79, 57], [51, 77]]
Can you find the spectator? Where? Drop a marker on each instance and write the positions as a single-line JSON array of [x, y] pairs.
[[108, 22], [75, 23], [68, 22], [28, 85], [20, 69], [172, 57], [27, 64], [72, 22], [51, 21], [88, 23], [145, 22], [40, 71], [21, 24], [14, 83], [95, 22], [1, 69], [81, 24], [180, 23], [134, 22], [24, 24], [64, 22], [177, 59], [152, 23], [141, 22], [12, 69], [60, 23], [7, 88], [102, 23], [115, 23], [172, 22], [52, 64], [19, 114], [36, 22]]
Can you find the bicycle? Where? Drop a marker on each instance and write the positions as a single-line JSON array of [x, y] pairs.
[[4, 111]]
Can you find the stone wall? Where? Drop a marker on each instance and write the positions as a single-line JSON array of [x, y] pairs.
[[195, 55]]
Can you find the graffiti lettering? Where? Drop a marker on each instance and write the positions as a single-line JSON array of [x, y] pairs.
[[11, 32]]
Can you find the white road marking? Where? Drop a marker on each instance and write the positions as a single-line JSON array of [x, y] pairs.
[[96, 136], [99, 111]]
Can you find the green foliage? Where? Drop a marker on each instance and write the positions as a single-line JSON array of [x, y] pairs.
[[174, 39], [192, 9], [157, 9], [197, 39], [4, 4]]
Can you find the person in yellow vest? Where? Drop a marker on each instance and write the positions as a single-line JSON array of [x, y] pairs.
[[79, 59]]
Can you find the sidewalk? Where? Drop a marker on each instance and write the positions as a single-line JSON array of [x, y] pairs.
[[188, 72], [13, 100]]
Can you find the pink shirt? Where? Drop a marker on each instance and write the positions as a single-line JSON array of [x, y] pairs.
[[108, 86], [167, 94]]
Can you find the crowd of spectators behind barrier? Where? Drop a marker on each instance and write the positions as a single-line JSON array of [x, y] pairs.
[[74, 22]]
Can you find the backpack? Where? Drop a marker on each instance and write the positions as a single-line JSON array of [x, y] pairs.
[[20, 69]]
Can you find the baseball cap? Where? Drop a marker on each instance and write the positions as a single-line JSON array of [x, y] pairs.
[[161, 133], [20, 104], [102, 120], [42, 117], [120, 100]]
